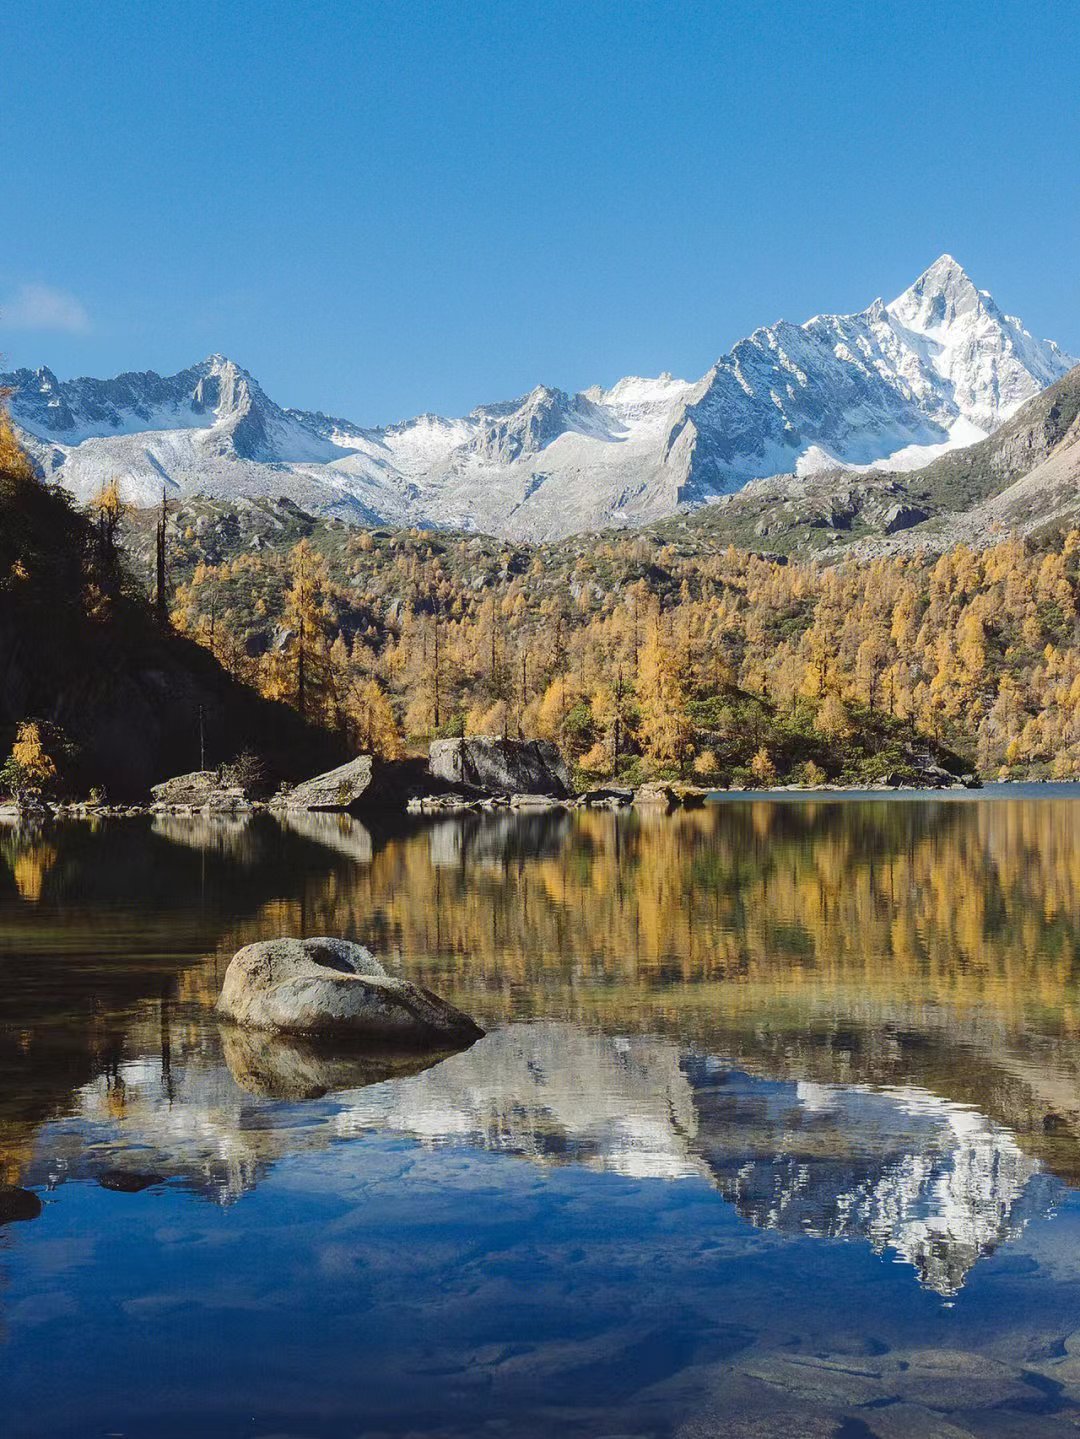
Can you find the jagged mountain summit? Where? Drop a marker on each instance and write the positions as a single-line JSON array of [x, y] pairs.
[[891, 387]]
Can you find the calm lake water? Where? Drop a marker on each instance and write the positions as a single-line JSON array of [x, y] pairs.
[[775, 1129]]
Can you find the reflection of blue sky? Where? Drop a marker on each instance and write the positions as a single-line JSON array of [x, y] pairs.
[[449, 1287]]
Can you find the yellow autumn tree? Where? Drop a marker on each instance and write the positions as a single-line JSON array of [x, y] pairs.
[[762, 767], [370, 720], [30, 768], [307, 617], [664, 728]]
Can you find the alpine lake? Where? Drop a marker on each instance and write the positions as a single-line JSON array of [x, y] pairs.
[[775, 1128]]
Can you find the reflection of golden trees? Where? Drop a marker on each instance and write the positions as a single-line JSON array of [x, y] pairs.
[[866, 941], [30, 863], [971, 905]]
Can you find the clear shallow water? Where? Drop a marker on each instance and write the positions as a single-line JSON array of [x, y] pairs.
[[776, 1129]]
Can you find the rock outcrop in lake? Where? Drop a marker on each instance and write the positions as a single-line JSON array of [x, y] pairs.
[[335, 987], [502, 766], [339, 789], [365, 783], [203, 789], [194, 789]]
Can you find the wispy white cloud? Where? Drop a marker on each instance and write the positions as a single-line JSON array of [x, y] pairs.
[[41, 307]]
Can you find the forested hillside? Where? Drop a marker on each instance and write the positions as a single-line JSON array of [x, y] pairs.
[[641, 655], [100, 692]]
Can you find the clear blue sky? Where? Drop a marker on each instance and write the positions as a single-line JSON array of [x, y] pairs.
[[387, 208]]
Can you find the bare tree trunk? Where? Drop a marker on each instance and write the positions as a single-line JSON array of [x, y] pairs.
[[160, 603]]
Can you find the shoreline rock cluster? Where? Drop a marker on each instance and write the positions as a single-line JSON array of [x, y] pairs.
[[473, 775]]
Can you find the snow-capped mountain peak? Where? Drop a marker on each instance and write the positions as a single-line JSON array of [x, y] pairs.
[[941, 295], [987, 358], [891, 386]]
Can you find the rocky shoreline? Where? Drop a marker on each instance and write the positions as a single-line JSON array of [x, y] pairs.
[[473, 775], [650, 796]]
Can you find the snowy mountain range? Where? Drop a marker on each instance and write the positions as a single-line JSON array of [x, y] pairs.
[[891, 387]]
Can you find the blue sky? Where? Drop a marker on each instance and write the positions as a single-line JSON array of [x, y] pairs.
[[381, 209]]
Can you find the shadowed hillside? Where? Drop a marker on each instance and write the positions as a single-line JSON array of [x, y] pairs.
[[80, 647]]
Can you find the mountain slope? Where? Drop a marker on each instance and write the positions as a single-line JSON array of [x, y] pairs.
[[1024, 478], [892, 386]]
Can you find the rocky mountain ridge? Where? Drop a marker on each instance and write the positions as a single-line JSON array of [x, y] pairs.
[[1023, 479], [892, 386]]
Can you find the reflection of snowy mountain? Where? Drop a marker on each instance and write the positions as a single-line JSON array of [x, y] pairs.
[[550, 1092], [186, 1122], [935, 1182]]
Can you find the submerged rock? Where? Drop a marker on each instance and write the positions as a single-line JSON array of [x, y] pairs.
[[17, 1204], [129, 1181], [505, 766], [333, 986]]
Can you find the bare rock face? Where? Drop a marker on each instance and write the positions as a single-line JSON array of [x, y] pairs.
[[902, 516], [333, 986], [337, 789], [505, 766]]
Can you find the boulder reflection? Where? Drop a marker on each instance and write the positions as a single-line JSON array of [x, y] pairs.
[[276, 1066]]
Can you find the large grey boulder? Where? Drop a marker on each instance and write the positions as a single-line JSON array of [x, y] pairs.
[[364, 783], [904, 517], [505, 766], [193, 789], [333, 986], [339, 789]]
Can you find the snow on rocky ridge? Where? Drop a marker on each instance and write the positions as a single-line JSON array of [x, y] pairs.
[[890, 387]]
